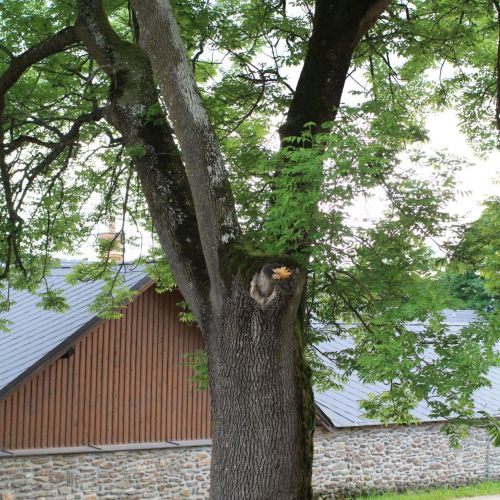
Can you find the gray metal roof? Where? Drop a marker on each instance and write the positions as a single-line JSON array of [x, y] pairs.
[[36, 334], [342, 407]]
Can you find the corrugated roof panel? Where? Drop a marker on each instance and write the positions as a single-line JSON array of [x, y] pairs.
[[35, 332], [342, 407]]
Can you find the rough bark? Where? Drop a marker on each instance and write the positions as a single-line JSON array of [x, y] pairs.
[[158, 164], [263, 410], [257, 374], [208, 179], [338, 26], [261, 392]]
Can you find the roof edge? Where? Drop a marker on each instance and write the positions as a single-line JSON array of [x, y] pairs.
[[140, 287], [323, 418], [100, 448]]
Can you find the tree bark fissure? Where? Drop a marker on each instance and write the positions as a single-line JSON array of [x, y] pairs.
[[262, 400], [208, 179], [132, 98]]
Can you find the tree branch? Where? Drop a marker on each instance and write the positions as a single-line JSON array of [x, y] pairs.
[[19, 64], [215, 210], [14, 219], [23, 139], [7, 51], [52, 45], [66, 140], [338, 25], [135, 111], [497, 110]]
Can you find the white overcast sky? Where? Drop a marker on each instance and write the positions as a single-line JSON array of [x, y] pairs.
[[479, 177]]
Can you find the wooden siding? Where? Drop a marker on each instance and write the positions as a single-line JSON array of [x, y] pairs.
[[127, 382]]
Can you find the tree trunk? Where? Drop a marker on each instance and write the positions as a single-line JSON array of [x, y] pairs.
[[263, 410], [262, 402], [263, 407]]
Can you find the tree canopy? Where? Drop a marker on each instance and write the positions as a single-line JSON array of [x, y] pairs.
[[297, 163], [467, 290]]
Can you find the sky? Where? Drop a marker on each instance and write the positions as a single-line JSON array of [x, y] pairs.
[[478, 180], [481, 179]]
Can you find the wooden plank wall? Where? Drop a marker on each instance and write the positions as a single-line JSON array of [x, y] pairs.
[[127, 382]]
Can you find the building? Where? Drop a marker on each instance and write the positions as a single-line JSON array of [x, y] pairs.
[[93, 408]]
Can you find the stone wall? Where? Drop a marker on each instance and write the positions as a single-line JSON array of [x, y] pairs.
[[136, 475], [346, 460], [399, 458]]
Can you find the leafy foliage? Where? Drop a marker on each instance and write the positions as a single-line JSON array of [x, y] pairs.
[[66, 170], [53, 299], [198, 362], [159, 271], [467, 290], [479, 246], [114, 294]]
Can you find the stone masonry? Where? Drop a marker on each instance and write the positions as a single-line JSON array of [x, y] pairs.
[[346, 461], [399, 458], [136, 475]]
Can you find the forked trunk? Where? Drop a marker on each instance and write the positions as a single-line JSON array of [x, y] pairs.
[[263, 410], [261, 389], [262, 400]]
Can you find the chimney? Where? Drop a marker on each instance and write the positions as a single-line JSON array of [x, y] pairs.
[[111, 235]]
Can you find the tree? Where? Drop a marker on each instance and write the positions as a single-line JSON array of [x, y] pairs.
[[474, 267], [479, 245], [467, 290], [258, 241]]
